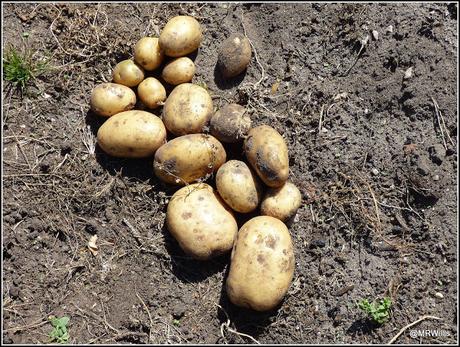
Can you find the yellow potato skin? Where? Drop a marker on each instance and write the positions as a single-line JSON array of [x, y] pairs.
[[128, 73], [188, 158], [151, 92], [187, 109], [180, 36], [281, 203], [131, 134], [200, 221], [180, 70], [267, 153], [147, 53], [239, 186], [262, 264], [108, 99]]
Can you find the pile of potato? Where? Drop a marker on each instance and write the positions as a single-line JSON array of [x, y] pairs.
[[202, 218]]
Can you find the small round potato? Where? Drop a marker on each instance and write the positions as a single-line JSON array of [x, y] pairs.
[[234, 55], [108, 99], [147, 53], [267, 153], [230, 124], [188, 158], [187, 109], [151, 92], [180, 36], [200, 221], [239, 186], [262, 264], [131, 134], [281, 203], [180, 70], [128, 73]]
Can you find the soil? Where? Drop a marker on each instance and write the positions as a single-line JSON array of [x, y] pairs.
[[365, 96]]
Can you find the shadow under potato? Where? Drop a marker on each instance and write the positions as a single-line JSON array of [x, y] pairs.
[[362, 326], [227, 83]]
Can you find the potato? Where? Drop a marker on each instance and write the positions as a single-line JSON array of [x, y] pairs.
[[281, 203], [267, 153], [151, 92], [180, 70], [180, 36], [262, 264], [230, 124], [234, 55], [187, 109], [128, 73], [239, 186], [132, 134], [108, 99], [200, 221], [188, 158], [147, 53]]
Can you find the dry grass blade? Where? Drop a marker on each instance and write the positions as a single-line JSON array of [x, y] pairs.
[[411, 325]]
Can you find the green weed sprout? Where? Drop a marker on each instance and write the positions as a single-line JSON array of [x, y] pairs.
[[378, 312], [59, 334]]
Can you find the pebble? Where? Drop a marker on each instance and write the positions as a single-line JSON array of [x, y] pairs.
[[375, 172], [439, 295], [409, 73], [375, 34], [436, 178], [389, 29]]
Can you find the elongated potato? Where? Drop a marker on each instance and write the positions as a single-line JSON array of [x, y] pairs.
[[147, 53], [108, 99], [262, 264], [239, 186], [187, 109], [267, 153], [234, 55], [151, 92], [180, 36], [200, 221], [230, 124], [128, 73], [179, 70], [281, 203], [131, 134], [188, 158]]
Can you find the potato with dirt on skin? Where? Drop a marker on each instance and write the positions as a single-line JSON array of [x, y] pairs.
[[239, 186], [200, 221], [281, 203], [262, 264], [180, 36], [188, 158], [147, 53], [230, 124], [151, 92], [187, 109], [132, 134], [179, 70], [267, 153], [128, 73], [234, 55], [108, 99]]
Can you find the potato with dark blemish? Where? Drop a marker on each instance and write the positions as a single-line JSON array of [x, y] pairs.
[[234, 55], [187, 109], [179, 70], [281, 203], [267, 153], [200, 221], [262, 264], [108, 99], [147, 53], [188, 158], [128, 73], [180, 36], [132, 134], [239, 186], [151, 92], [230, 124]]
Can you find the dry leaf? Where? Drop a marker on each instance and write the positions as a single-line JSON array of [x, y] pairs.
[[92, 244], [275, 86]]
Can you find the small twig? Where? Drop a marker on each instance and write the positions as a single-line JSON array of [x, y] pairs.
[[227, 326], [320, 125], [255, 53], [439, 117], [24, 327], [411, 325], [148, 313], [363, 44]]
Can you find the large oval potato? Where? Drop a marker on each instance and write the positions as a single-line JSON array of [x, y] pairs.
[[108, 99], [230, 124], [281, 203], [188, 158], [131, 134], [234, 55], [200, 221], [128, 73], [267, 153], [262, 264], [187, 109], [239, 186], [180, 36], [147, 53], [179, 70], [151, 92]]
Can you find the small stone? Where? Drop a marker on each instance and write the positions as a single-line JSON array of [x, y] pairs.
[[375, 35], [389, 29], [375, 172], [439, 295], [436, 178], [409, 73]]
